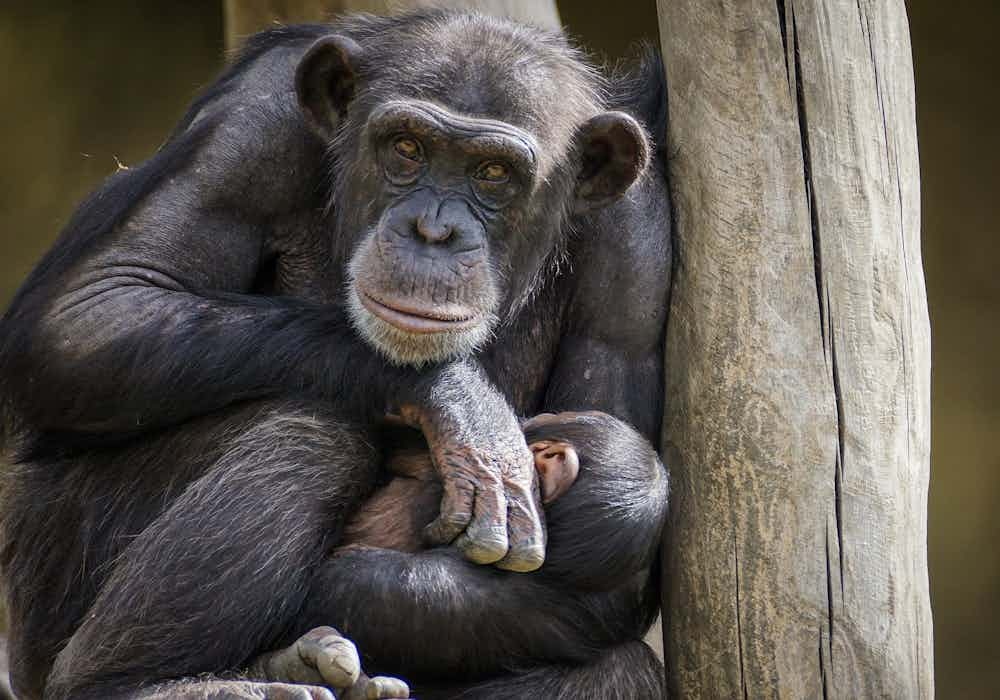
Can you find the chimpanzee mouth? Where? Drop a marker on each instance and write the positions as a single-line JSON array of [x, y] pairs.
[[410, 317]]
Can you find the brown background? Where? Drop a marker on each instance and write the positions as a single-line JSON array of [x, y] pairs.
[[85, 85]]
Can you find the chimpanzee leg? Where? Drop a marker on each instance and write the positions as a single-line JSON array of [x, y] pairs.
[[628, 671], [225, 567]]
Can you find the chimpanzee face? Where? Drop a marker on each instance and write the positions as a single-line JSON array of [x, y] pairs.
[[426, 283], [454, 210]]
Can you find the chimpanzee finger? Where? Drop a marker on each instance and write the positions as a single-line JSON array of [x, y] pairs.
[[456, 512], [526, 527], [485, 540], [378, 688], [382, 687]]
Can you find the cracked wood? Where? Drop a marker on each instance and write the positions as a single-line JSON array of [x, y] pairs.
[[798, 354]]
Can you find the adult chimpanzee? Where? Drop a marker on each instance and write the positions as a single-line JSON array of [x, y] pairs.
[[193, 403]]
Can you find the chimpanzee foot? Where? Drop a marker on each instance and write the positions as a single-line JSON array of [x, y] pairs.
[[323, 656]]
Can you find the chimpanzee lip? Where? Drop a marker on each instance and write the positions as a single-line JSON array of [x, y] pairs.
[[415, 318]]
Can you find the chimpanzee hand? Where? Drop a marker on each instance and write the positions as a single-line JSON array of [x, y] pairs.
[[491, 505]]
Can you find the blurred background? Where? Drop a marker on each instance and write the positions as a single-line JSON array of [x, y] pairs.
[[88, 85]]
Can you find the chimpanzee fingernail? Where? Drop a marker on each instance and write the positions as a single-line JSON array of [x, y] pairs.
[[523, 560], [382, 687], [482, 550]]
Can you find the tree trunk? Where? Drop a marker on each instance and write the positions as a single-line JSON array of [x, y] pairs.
[[244, 17], [798, 354]]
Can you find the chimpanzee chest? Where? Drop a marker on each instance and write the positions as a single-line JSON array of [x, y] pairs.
[[521, 358]]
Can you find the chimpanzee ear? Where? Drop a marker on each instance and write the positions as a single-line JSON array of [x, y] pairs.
[[557, 464], [325, 81], [614, 152]]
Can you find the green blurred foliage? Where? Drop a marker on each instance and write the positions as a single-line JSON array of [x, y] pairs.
[[86, 85]]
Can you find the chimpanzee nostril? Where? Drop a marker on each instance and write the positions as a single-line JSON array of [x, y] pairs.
[[432, 229]]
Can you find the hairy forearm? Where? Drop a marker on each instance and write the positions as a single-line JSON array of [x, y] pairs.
[[144, 357]]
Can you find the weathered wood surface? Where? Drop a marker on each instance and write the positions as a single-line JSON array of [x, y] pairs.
[[798, 354], [244, 17]]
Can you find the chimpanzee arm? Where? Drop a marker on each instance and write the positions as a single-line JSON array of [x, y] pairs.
[[151, 322], [611, 351], [144, 315], [431, 614]]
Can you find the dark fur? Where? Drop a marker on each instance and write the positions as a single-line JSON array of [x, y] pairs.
[[190, 414]]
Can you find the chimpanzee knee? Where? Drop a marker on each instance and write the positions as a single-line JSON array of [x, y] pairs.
[[217, 576]]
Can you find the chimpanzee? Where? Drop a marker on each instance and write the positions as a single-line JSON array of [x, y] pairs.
[[439, 216]]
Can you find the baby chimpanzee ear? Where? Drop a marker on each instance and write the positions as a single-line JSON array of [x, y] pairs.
[[614, 152], [557, 464], [325, 81]]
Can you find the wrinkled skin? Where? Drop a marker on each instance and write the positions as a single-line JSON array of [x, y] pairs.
[[194, 379], [397, 514]]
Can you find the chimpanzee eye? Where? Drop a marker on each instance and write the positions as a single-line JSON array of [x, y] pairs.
[[493, 172], [408, 148]]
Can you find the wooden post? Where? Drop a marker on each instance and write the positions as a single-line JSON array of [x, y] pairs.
[[244, 17], [798, 354]]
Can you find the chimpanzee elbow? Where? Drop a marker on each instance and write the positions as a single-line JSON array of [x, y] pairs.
[[29, 393], [43, 374], [20, 367]]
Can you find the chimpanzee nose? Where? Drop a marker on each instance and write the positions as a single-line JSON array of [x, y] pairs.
[[433, 228]]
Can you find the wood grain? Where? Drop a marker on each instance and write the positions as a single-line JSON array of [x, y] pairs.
[[798, 354]]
